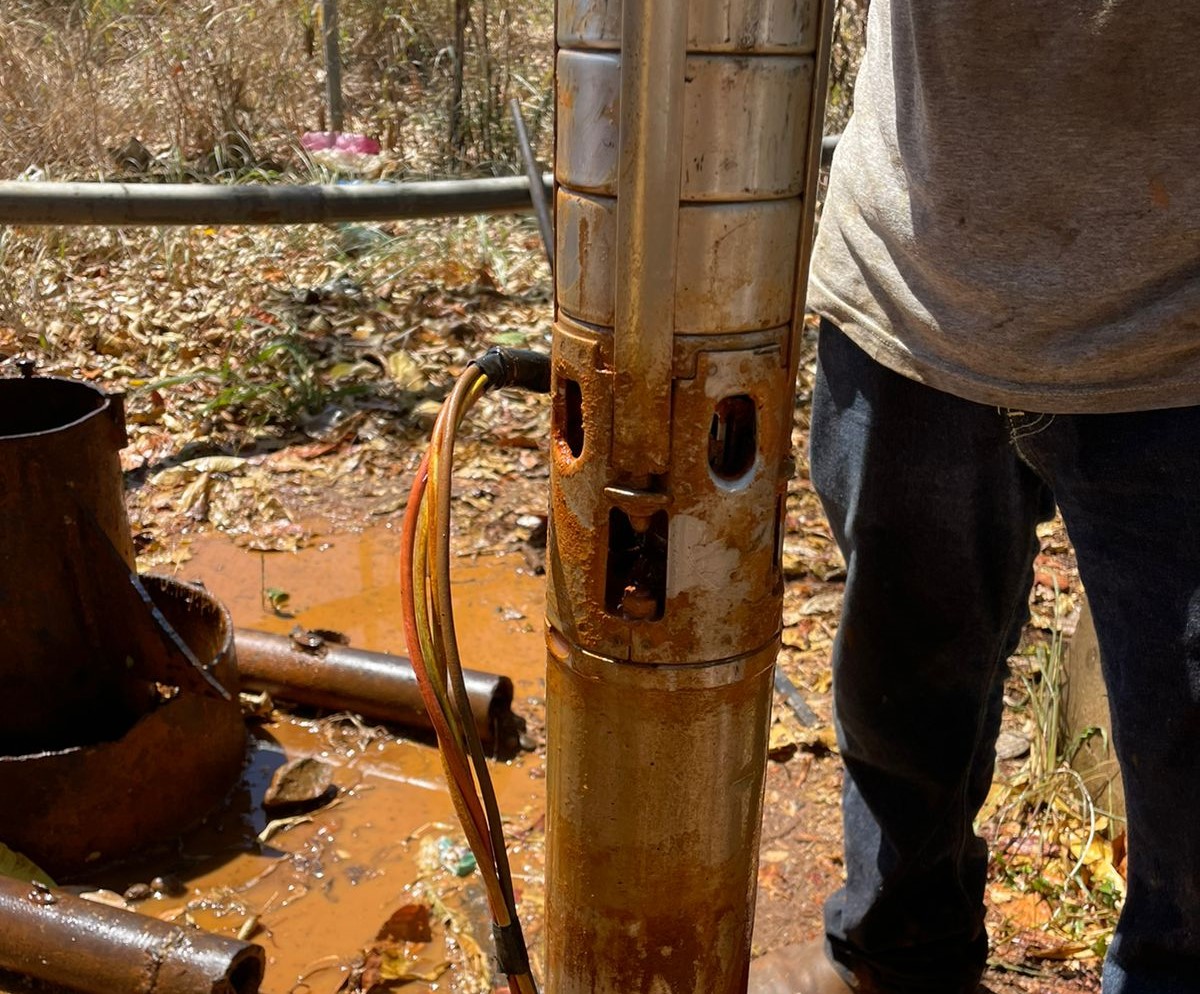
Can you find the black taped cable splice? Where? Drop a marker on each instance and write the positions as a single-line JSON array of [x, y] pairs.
[[515, 368], [510, 949]]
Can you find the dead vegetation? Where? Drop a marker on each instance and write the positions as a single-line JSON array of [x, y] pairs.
[[204, 88]]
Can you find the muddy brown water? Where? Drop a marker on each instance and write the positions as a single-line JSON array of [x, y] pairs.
[[316, 892]]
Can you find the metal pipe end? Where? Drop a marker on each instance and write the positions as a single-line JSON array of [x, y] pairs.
[[245, 973]]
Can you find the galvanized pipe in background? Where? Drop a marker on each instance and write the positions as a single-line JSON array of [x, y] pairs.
[[374, 684], [198, 203], [55, 937]]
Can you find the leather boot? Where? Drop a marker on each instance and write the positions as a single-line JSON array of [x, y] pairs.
[[802, 968]]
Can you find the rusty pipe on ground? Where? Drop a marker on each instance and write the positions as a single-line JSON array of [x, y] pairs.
[[56, 937], [308, 669]]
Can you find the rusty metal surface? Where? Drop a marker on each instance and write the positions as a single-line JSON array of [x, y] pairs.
[[585, 254], [737, 266], [59, 443], [589, 101], [374, 684], [653, 57], [74, 807], [652, 857], [745, 125], [52, 936], [723, 580], [775, 26], [684, 191]]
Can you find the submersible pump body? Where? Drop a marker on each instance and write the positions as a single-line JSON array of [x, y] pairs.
[[687, 150]]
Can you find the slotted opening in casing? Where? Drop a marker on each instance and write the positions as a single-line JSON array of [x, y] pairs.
[[780, 522], [568, 415], [733, 437], [635, 585]]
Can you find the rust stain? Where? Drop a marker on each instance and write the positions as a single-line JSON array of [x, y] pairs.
[[1159, 194]]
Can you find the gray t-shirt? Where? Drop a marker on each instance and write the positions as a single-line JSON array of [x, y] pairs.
[[1014, 210]]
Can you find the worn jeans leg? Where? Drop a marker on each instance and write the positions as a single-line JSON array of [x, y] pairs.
[[1129, 489], [936, 516]]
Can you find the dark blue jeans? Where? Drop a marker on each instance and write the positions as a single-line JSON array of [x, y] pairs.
[[934, 501]]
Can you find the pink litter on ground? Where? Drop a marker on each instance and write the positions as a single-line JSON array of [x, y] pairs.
[[319, 141]]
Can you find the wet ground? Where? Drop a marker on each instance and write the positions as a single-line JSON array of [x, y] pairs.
[[322, 889], [317, 889]]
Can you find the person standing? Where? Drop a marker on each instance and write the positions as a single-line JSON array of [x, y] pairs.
[[1008, 275]]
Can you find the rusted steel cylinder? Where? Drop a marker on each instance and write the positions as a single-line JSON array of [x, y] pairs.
[[55, 937], [374, 684], [74, 807], [658, 782], [60, 482]]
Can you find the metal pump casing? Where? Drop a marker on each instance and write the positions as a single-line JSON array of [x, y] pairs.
[[687, 149]]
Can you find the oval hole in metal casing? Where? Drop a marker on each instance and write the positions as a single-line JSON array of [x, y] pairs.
[[733, 438]]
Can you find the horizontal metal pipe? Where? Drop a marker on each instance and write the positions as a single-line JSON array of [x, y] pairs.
[[118, 204], [200, 203], [374, 684], [56, 937]]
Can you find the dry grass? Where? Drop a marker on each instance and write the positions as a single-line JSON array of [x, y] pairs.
[[219, 86]]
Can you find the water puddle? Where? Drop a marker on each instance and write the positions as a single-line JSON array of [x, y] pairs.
[[316, 889]]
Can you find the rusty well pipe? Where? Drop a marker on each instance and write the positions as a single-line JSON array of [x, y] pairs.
[[687, 151], [374, 684], [56, 937]]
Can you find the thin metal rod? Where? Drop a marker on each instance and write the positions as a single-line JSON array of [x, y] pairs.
[[541, 202], [333, 64], [798, 704], [90, 947]]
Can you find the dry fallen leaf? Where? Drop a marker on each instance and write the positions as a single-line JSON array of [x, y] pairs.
[[408, 924]]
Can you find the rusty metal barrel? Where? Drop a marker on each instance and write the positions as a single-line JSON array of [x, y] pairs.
[[60, 477], [119, 719], [687, 151]]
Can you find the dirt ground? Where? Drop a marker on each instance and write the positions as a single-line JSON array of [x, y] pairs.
[[341, 573]]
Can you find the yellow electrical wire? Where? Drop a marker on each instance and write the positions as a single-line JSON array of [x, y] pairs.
[[432, 614]]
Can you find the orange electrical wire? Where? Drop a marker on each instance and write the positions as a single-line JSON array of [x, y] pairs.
[[458, 774], [428, 614]]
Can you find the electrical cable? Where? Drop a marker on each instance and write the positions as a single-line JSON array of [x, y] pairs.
[[428, 609]]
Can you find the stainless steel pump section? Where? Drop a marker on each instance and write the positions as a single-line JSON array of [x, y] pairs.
[[688, 145]]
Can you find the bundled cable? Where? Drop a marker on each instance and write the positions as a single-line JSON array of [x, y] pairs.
[[429, 629]]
